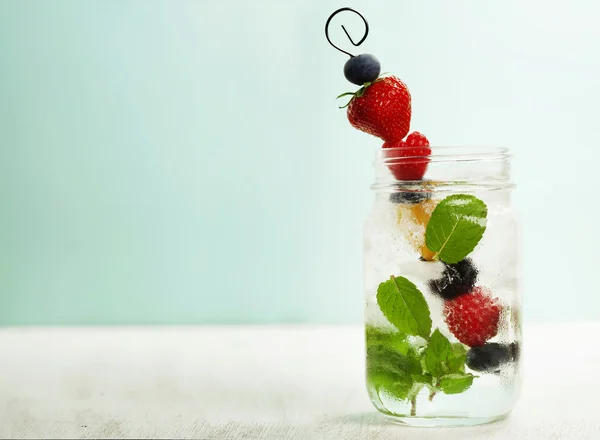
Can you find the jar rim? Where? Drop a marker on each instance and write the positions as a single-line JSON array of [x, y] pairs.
[[452, 168], [447, 153]]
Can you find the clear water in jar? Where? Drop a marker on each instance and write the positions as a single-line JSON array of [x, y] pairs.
[[394, 238]]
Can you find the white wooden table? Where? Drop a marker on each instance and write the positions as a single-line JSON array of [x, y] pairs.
[[276, 382]]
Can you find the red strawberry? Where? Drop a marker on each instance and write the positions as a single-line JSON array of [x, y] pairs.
[[382, 109], [412, 157], [473, 317]]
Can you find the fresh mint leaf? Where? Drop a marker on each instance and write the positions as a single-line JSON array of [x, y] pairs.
[[457, 358], [383, 358], [394, 340], [436, 354], [403, 304], [456, 227], [455, 383], [424, 378], [398, 385], [395, 354], [392, 361], [439, 345]]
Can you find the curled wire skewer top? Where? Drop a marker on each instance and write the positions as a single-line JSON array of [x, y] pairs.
[[345, 31]]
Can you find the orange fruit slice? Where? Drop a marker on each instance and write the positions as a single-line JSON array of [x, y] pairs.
[[412, 221]]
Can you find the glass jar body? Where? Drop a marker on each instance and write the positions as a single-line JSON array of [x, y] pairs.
[[469, 371]]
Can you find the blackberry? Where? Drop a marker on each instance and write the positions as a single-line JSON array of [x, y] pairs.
[[457, 279], [409, 197], [489, 357]]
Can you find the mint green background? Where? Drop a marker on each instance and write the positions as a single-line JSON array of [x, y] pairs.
[[185, 161]]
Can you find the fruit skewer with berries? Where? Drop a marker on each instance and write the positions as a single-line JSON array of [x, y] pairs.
[[382, 107]]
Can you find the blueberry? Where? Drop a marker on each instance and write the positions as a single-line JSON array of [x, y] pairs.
[[361, 69], [489, 357], [457, 279], [409, 197], [515, 351]]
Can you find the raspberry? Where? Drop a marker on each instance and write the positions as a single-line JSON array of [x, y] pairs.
[[416, 139], [473, 317], [413, 154]]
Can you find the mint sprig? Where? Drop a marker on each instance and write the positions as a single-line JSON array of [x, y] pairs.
[[401, 363], [446, 364], [401, 367], [441, 357], [456, 227]]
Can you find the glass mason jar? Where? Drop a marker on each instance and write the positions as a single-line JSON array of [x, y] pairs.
[[442, 304]]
